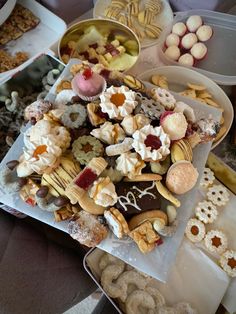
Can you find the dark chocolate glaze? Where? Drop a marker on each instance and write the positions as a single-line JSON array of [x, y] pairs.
[[146, 202]]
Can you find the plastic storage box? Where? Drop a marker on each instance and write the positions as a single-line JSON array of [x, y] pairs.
[[220, 63]]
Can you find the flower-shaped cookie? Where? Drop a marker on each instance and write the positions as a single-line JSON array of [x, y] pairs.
[[208, 178], [118, 102], [195, 230], [129, 164], [39, 157], [228, 262], [206, 212], [164, 97], [218, 195], [216, 241], [151, 143], [109, 133]]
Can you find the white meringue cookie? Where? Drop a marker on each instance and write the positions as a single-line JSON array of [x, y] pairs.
[[118, 111], [132, 123], [109, 133], [146, 152], [129, 164], [103, 192]]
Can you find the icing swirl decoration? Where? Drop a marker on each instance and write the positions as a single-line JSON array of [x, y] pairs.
[[129, 164], [103, 192], [118, 102], [130, 198], [152, 144]]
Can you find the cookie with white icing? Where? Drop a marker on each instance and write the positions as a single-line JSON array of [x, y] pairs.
[[134, 197]]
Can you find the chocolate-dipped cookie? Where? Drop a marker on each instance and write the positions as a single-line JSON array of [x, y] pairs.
[[134, 197]]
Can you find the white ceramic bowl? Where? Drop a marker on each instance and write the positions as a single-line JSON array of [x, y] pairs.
[[178, 77]]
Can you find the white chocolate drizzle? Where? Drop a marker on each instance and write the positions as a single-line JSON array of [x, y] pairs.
[[145, 192], [130, 200]]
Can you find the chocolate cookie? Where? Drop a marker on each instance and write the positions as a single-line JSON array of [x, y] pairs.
[[134, 197]]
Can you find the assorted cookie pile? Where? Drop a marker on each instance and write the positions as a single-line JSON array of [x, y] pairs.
[[105, 153], [111, 48], [15, 97], [20, 21], [197, 92], [186, 43], [137, 15], [206, 212], [133, 290]]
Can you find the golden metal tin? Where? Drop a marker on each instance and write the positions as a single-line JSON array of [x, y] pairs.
[[104, 26]]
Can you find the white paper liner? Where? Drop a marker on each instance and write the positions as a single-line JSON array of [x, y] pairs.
[[158, 262]]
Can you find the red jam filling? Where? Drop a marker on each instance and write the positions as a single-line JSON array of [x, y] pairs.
[[164, 115], [94, 46], [30, 201], [87, 73], [152, 141], [86, 178], [159, 242]]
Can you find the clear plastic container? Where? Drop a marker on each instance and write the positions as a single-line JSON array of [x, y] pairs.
[[220, 63]]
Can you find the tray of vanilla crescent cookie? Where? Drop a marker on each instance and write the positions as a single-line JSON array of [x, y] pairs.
[[113, 163]]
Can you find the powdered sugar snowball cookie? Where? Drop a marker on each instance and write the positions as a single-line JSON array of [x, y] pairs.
[[118, 102], [175, 125], [195, 230], [179, 29], [172, 40], [181, 177], [188, 111], [188, 40], [166, 99], [64, 97], [206, 212], [151, 143], [198, 51], [204, 32], [103, 192], [208, 178], [228, 262], [130, 164], [186, 59], [216, 241], [193, 23], [173, 53], [218, 195]]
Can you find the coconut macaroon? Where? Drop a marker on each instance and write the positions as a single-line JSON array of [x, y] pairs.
[[181, 177]]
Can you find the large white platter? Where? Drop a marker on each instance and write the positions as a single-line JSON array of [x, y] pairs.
[[158, 262], [178, 77]]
